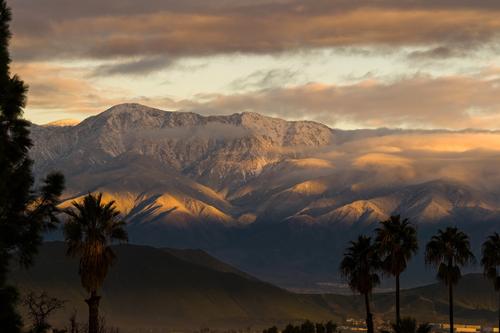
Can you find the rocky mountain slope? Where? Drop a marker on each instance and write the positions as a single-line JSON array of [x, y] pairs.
[[270, 195]]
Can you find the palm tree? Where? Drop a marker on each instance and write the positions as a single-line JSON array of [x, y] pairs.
[[90, 230], [359, 267], [490, 261], [448, 251], [397, 243]]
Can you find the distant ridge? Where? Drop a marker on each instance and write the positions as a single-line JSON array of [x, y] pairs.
[[169, 291], [189, 289]]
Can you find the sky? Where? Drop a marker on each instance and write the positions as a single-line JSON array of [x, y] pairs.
[[348, 64]]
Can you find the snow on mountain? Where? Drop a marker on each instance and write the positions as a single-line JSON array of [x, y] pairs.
[[123, 146], [181, 167], [277, 198]]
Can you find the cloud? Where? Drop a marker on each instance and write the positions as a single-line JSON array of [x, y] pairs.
[[209, 131], [437, 53], [453, 102], [266, 79], [374, 161], [54, 29], [141, 66], [57, 90], [431, 143], [466, 157]]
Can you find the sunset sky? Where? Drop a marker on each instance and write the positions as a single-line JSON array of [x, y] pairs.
[[348, 64]]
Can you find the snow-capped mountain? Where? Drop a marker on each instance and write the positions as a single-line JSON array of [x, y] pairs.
[[232, 184]]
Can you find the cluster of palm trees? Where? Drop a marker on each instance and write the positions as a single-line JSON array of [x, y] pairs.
[[90, 230], [395, 243]]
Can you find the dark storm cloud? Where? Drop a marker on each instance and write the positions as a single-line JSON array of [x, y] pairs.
[[54, 29]]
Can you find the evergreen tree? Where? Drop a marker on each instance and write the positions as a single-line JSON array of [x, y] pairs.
[[24, 212]]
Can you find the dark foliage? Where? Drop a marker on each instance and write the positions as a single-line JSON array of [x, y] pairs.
[[409, 325], [24, 212], [306, 327]]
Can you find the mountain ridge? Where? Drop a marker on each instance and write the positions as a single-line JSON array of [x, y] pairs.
[[174, 288], [249, 188], [187, 289]]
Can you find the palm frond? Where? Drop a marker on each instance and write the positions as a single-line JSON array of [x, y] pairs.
[[448, 251], [92, 227]]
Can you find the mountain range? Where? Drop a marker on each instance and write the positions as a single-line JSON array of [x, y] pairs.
[[189, 290], [278, 198]]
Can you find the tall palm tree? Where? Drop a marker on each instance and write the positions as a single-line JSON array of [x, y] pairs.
[[90, 230], [448, 251], [491, 261], [359, 266], [397, 243]]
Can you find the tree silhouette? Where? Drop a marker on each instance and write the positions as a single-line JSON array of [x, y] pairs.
[[24, 212], [448, 251], [273, 329], [90, 230], [359, 267], [490, 261], [397, 243], [40, 307], [331, 327], [291, 329], [320, 328], [424, 328], [307, 327], [409, 325]]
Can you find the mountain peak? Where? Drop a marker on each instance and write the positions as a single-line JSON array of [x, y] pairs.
[[129, 108]]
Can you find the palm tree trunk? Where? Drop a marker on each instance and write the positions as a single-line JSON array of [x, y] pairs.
[[369, 317], [450, 289], [398, 313], [93, 303]]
